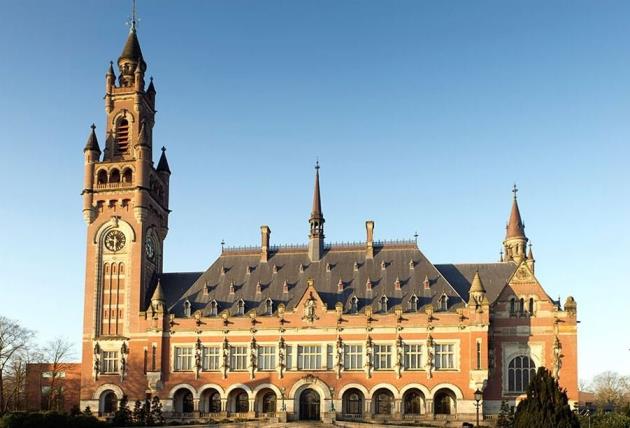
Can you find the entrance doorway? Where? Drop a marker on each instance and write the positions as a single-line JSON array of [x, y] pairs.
[[309, 405]]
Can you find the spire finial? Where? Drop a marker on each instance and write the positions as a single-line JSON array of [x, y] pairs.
[[514, 190], [317, 164], [134, 19], [415, 236], [163, 149], [93, 127]]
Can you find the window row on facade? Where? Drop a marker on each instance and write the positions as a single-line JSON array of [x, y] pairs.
[[314, 357]]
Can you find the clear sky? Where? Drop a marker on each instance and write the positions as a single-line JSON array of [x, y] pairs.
[[423, 114]]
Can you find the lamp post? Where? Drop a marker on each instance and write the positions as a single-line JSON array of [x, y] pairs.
[[478, 398]]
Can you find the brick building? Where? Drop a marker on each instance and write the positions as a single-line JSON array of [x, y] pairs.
[[316, 331], [42, 393]]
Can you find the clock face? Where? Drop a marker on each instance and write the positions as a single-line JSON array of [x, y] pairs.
[[115, 240], [149, 247]]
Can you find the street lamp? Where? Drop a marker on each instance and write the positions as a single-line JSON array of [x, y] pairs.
[[478, 398]]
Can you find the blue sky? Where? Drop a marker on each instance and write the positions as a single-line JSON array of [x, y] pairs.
[[423, 115]]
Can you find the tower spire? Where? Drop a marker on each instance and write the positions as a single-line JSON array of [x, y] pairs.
[[515, 243], [316, 236]]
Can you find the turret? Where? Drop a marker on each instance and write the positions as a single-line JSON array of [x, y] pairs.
[[515, 244], [91, 153], [316, 235], [131, 60], [477, 291], [158, 301]]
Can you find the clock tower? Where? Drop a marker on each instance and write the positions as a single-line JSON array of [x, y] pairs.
[[125, 207]]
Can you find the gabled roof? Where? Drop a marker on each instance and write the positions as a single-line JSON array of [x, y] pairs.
[[494, 275], [244, 270]]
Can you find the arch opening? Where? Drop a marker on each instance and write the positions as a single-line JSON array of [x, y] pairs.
[[238, 401], [183, 402], [352, 403], [210, 401], [309, 405], [383, 400], [108, 403], [445, 402], [413, 402]]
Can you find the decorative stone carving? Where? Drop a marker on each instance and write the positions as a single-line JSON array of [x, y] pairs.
[[253, 358], [557, 357], [310, 307], [369, 365], [282, 355], [399, 357], [97, 360], [430, 352], [339, 357], [124, 351], [225, 362], [198, 348]]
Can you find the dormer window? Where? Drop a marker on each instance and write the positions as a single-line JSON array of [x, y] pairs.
[[240, 308], [443, 304], [186, 308], [214, 308], [354, 305], [413, 303], [383, 304], [269, 306]]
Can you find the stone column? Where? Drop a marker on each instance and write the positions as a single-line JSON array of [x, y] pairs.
[[429, 408]]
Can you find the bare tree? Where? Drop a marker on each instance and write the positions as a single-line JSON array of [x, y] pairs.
[[13, 339], [57, 354], [610, 388]]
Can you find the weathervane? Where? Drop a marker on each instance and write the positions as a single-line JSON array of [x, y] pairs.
[[133, 20]]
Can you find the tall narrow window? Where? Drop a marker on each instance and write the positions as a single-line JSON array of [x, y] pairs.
[[531, 306], [122, 135], [478, 355], [153, 357], [512, 306], [521, 308], [146, 358]]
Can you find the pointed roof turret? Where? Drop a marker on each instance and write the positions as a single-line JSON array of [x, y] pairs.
[[110, 70], [515, 227], [151, 88], [132, 50], [158, 293], [316, 236], [92, 142], [476, 286], [163, 163], [143, 138]]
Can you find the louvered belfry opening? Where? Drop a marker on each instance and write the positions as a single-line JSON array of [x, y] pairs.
[[122, 136]]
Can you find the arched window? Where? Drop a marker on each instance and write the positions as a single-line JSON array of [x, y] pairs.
[[269, 306], [443, 302], [186, 308], [127, 176], [110, 403], [383, 402], [512, 306], [114, 176], [354, 305], [214, 308], [269, 402], [214, 402], [520, 371], [531, 306], [384, 304], [240, 307], [122, 135], [101, 177], [353, 402], [413, 402], [521, 308], [413, 303], [242, 402]]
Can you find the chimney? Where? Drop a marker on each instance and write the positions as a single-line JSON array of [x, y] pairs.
[[265, 234], [369, 227]]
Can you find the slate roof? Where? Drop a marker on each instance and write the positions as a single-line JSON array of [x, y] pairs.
[[493, 275], [244, 270]]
